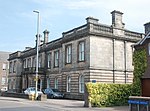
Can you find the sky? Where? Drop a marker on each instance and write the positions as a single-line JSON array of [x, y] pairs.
[[18, 22]]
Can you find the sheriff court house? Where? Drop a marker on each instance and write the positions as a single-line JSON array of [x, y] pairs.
[[93, 52]]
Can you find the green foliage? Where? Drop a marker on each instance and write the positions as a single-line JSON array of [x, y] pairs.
[[140, 64], [102, 94]]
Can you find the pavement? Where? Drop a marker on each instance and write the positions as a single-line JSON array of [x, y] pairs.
[[66, 105]]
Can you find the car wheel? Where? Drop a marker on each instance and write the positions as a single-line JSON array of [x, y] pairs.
[[52, 96]]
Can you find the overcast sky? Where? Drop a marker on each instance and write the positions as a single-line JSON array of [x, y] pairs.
[[18, 23]]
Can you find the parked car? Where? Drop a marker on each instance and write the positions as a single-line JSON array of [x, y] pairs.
[[3, 89], [31, 91], [53, 93]]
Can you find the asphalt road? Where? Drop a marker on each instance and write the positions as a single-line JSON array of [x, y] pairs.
[[16, 104]]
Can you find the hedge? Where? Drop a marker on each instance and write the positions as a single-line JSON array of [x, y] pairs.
[[103, 94]]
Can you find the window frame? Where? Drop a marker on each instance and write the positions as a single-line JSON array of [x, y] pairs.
[[68, 54], [56, 59], [40, 61], [69, 83], [81, 83], [28, 62], [49, 60], [10, 67], [56, 83], [81, 52], [14, 66], [33, 61]]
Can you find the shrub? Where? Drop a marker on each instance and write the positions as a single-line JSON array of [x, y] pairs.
[[103, 94]]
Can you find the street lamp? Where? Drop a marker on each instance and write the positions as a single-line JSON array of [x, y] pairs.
[[37, 51]]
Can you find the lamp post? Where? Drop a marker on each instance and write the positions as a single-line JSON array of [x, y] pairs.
[[37, 52]]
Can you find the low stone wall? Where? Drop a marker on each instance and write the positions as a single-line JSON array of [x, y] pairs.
[[13, 94]]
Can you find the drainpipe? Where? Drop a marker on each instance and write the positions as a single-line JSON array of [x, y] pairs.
[[113, 60], [125, 62]]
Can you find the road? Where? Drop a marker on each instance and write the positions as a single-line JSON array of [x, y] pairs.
[[16, 104]]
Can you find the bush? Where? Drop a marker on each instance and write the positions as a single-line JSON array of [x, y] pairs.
[[102, 94]]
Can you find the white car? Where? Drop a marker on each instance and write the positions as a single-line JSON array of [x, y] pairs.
[[4, 89], [31, 91]]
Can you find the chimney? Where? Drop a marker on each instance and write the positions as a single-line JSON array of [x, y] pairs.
[[117, 19], [117, 24], [40, 42], [92, 20], [46, 34], [147, 28]]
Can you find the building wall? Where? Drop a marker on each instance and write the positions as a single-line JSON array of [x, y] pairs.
[[112, 58]]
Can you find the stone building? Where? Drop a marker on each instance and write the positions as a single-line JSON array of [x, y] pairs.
[[93, 52], [4, 69]]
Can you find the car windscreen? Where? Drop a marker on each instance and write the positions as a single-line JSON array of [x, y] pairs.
[[55, 90]]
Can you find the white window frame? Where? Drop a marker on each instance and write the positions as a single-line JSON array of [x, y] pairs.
[[81, 52], [56, 83], [68, 83], [49, 60], [56, 58], [68, 53], [81, 83]]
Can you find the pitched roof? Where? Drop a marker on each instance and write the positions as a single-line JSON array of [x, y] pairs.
[[143, 39]]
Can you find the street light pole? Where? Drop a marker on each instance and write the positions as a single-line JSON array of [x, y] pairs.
[[37, 52]]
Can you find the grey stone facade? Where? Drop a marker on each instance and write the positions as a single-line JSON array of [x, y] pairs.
[[99, 53]]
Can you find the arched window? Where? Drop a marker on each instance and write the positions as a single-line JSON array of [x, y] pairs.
[[81, 83]]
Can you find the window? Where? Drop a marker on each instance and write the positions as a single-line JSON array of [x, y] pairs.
[[24, 63], [81, 84], [68, 83], [33, 62], [56, 59], [48, 82], [10, 67], [40, 61], [14, 66], [29, 62], [56, 83], [68, 54], [3, 81], [49, 60], [81, 51]]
